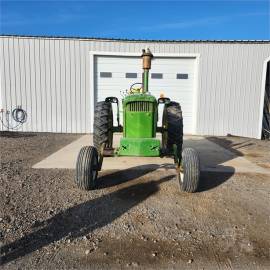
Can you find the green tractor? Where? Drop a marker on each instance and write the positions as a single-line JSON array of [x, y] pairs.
[[140, 117]]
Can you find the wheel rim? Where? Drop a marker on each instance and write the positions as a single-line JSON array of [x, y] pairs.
[[181, 177]]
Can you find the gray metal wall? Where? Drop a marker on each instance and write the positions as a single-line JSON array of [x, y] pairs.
[[50, 78]]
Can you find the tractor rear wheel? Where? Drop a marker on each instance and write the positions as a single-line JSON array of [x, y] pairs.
[[190, 171], [103, 125], [172, 122], [87, 168]]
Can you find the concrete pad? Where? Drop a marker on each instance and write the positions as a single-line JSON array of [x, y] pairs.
[[212, 156], [65, 158]]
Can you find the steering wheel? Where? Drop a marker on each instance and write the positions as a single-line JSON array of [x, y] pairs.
[[134, 90]]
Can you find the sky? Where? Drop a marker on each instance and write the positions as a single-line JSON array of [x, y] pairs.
[[170, 20]]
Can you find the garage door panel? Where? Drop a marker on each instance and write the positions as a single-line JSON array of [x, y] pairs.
[[118, 60], [115, 81], [173, 61], [180, 90], [121, 73], [172, 69], [168, 93], [172, 77], [112, 68], [170, 87], [153, 82], [171, 80]]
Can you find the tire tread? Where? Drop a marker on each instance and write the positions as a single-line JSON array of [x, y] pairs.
[[191, 167], [84, 168], [174, 122], [103, 124]]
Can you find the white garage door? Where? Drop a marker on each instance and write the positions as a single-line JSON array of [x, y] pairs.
[[172, 76]]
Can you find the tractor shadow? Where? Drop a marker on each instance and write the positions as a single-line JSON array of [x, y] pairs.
[[113, 178], [210, 180], [231, 145], [213, 172], [213, 154], [81, 219]]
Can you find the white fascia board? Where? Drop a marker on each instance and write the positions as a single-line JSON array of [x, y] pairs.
[[262, 97], [106, 53]]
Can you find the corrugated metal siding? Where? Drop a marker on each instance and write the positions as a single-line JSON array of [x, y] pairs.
[[50, 78]]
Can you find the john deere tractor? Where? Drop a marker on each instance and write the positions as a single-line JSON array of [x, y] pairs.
[[140, 118]]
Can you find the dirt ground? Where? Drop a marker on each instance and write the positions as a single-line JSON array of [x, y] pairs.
[[136, 219]]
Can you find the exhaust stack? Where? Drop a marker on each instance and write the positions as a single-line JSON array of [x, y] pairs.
[[146, 56]]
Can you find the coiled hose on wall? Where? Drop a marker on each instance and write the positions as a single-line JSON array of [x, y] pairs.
[[19, 115]]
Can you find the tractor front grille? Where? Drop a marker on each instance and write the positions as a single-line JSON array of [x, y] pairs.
[[140, 106]]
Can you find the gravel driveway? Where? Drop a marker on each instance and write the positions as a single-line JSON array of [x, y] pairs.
[[135, 219]]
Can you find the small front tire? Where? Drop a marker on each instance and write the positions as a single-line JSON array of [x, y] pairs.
[[189, 175], [87, 168]]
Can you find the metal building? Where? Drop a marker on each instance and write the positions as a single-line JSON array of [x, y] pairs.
[[220, 84]]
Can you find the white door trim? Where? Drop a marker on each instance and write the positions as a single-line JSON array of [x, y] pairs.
[[92, 89], [262, 96]]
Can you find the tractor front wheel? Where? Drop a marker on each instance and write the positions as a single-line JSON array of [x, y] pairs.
[[189, 175], [87, 168]]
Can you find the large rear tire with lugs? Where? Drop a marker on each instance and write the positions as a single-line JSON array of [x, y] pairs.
[[87, 168], [172, 123], [190, 171], [103, 125]]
